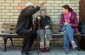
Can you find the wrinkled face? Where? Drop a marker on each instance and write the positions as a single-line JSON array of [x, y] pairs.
[[43, 13], [65, 11], [30, 7]]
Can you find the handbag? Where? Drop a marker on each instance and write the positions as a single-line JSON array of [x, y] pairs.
[[81, 27]]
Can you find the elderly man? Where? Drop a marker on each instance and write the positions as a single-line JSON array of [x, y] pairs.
[[24, 26]]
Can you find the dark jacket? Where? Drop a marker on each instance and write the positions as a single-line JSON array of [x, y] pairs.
[[43, 22], [73, 19], [25, 19]]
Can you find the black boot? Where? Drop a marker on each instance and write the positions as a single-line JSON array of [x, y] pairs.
[[25, 53]]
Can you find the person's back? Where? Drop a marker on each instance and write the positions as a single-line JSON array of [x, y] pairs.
[[25, 19]]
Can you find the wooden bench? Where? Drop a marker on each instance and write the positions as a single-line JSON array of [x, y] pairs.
[[7, 28], [10, 33], [76, 36]]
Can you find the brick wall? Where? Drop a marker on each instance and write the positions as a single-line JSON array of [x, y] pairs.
[[10, 9]]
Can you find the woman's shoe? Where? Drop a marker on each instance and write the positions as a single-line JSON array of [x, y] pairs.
[[66, 51], [74, 45]]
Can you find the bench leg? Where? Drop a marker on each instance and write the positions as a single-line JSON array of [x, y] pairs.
[[11, 41], [78, 39], [5, 42], [78, 45]]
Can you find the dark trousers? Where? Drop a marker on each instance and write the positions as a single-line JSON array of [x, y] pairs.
[[28, 39]]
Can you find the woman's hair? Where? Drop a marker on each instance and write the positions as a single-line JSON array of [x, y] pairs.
[[67, 7]]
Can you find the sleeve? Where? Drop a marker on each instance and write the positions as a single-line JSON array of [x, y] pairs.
[[75, 22], [28, 12], [31, 25], [50, 23]]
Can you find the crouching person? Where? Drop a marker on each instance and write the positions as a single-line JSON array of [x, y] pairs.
[[44, 31]]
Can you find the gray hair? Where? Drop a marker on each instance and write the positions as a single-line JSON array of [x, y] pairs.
[[42, 10]]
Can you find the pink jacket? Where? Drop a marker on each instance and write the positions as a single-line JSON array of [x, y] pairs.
[[73, 21]]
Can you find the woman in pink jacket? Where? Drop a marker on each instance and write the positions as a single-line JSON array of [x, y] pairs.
[[69, 26]]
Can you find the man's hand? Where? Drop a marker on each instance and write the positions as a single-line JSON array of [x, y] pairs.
[[38, 17], [30, 29], [42, 5]]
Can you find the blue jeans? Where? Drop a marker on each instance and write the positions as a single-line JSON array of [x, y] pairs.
[[68, 35]]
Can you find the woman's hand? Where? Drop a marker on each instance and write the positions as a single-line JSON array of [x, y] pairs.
[[66, 23], [47, 26]]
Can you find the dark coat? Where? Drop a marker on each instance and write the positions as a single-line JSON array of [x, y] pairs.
[[43, 22], [25, 19], [73, 19]]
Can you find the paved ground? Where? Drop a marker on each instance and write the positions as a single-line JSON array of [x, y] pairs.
[[15, 50]]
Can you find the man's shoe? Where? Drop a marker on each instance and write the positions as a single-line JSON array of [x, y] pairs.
[[25, 53]]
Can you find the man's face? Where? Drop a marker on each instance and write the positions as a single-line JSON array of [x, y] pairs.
[[30, 7], [43, 13]]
